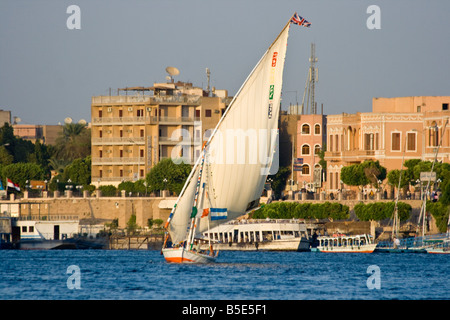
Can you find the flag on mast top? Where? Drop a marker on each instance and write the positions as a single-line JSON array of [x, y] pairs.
[[296, 19]]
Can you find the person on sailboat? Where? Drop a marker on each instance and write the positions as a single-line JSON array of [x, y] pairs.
[[396, 242]]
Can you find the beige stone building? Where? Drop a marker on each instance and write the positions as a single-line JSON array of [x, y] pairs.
[[45, 133], [134, 130], [397, 128]]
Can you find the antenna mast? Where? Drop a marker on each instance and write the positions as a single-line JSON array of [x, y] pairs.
[[313, 76]]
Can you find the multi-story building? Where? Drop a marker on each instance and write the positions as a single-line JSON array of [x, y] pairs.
[[397, 129], [5, 117], [132, 133], [45, 133], [311, 137]]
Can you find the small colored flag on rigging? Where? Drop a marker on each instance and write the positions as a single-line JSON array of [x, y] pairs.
[[296, 19], [218, 213]]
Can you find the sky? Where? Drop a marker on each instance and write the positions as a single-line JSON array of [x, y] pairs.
[[49, 72]]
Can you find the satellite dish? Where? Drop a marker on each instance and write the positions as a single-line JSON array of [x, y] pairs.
[[82, 121], [68, 120], [172, 71]]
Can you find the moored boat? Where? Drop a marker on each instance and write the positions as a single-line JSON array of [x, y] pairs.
[[264, 235], [345, 243]]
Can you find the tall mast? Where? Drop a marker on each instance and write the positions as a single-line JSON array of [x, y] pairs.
[[310, 85]]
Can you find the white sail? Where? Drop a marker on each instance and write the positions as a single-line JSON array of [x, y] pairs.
[[179, 223], [239, 153]]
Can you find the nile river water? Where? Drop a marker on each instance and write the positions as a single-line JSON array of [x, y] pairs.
[[144, 275]]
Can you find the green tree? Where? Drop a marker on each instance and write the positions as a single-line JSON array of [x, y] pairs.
[[132, 225], [17, 147], [79, 171], [74, 142], [108, 190], [167, 175], [21, 172], [279, 181], [367, 172]]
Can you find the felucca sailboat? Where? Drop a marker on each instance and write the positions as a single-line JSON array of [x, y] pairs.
[[228, 179]]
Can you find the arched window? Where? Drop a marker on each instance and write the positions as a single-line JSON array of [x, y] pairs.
[[305, 169], [305, 129], [433, 138], [317, 149], [305, 149], [317, 129]]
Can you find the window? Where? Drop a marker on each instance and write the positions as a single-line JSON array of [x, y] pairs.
[[141, 153], [30, 229], [445, 106], [142, 133], [100, 133], [120, 113], [305, 129], [140, 113], [197, 113], [305, 169], [317, 129], [100, 113], [24, 229], [396, 141], [433, 138], [121, 133], [100, 153], [208, 113], [317, 149], [419, 108], [120, 173], [121, 153], [141, 172], [100, 173], [411, 141], [305, 149]]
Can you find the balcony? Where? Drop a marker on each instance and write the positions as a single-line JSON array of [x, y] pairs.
[[120, 120], [118, 141], [118, 161], [98, 121], [175, 120], [176, 100], [164, 140], [353, 155]]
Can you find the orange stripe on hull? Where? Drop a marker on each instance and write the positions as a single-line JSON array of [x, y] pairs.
[[177, 259]]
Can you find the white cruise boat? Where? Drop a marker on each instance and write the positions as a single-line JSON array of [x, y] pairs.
[[251, 235], [342, 243]]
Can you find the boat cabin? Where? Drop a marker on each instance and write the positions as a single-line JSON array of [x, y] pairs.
[[256, 231]]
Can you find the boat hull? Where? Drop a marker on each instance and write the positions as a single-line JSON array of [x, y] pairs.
[[181, 255], [406, 250], [369, 248], [295, 244]]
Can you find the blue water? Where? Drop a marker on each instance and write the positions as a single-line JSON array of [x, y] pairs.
[[109, 274]]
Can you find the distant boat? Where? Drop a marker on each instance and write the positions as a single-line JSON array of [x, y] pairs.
[[263, 235], [441, 248], [50, 235], [341, 243], [228, 178]]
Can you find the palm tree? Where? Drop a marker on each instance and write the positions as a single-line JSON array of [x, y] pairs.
[[74, 142]]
